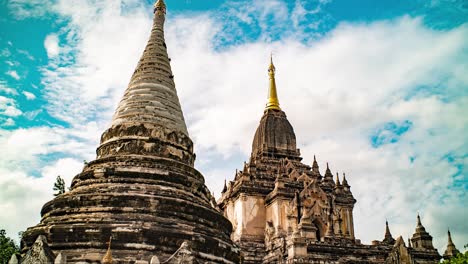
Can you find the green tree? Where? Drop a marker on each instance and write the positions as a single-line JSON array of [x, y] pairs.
[[59, 186], [461, 258], [7, 247]]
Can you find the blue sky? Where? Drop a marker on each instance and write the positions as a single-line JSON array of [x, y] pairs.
[[377, 88]]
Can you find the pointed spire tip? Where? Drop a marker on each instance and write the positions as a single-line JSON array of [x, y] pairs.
[[160, 6], [273, 101]]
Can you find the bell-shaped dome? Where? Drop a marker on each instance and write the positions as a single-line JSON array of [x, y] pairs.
[[275, 136]]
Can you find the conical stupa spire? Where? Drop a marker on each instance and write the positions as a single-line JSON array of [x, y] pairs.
[[151, 96], [273, 102], [328, 173], [345, 182], [225, 187], [451, 250], [450, 242], [388, 236], [315, 163], [149, 118], [387, 230], [315, 169], [419, 227]]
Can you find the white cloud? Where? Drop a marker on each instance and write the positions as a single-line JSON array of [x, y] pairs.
[[51, 44], [23, 9], [8, 107], [30, 115], [23, 195], [13, 74], [27, 174], [12, 63], [25, 149], [5, 52], [29, 96], [9, 122], [26, 54], [89, 85], [7, 90], [336, 92]]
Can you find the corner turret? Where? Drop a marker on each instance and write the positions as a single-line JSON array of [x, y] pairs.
[[315, 170], [327, 182]]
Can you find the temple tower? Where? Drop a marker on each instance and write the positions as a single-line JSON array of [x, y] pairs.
[[421, 238], [451, 250], [142, 190], [388, 238], [419, 250], [279, 205], [422, 249]]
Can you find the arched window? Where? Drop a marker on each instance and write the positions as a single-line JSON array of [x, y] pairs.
[[319, 233]]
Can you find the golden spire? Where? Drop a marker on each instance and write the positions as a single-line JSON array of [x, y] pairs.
[[107, 259], [273, 102]]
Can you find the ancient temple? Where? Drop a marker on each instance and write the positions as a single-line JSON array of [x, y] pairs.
[[141, 201], [142, 189], [285, 211]]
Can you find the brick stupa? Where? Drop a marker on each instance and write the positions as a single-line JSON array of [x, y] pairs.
[[142, 190]]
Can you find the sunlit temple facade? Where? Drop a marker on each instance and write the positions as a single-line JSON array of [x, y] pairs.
[[141, 201], [285, 211]]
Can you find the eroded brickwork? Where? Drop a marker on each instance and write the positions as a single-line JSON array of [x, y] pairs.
[[142, 190]]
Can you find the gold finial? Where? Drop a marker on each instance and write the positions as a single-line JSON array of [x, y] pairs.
[[271, 68], [160, 6], [107, 259], [273, 102]]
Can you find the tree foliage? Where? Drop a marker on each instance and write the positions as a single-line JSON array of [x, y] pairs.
[[7, 247], [59, 186], [461, 258]]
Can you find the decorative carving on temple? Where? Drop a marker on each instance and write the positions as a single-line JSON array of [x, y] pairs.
[[300, 216], [315, 200], [269, 234], [305, 179]]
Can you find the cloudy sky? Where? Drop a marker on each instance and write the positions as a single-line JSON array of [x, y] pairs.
[[379, 89]]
